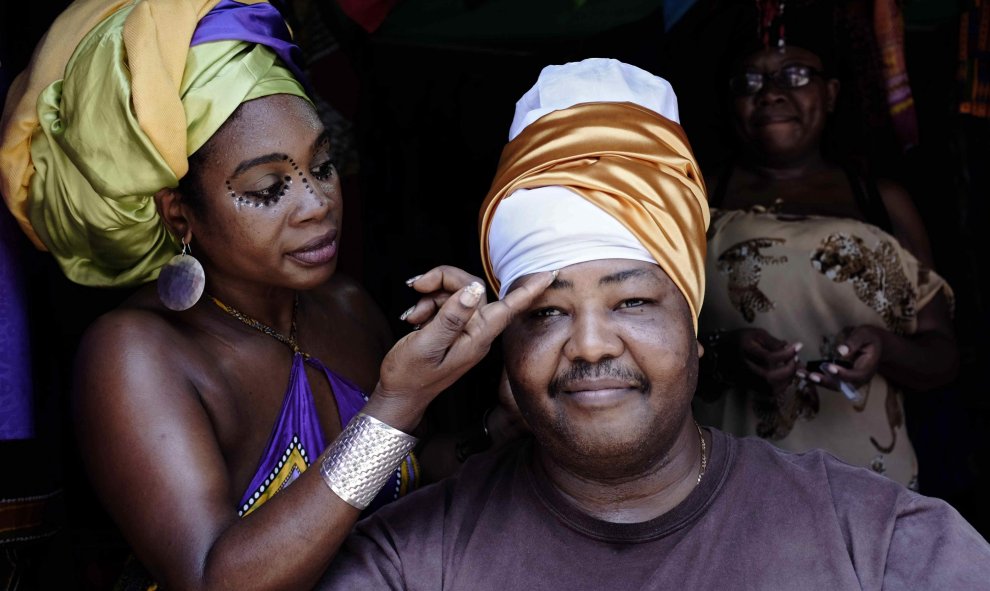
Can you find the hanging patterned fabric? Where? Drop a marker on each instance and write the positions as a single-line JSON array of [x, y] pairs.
[[974, 60], [888, 27]]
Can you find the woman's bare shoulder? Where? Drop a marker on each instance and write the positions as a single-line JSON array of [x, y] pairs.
[[136, 326], [137, 350]]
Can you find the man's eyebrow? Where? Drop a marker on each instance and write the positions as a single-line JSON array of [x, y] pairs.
[[623, 275], [559, 283]]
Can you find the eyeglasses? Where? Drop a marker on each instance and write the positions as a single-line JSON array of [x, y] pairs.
[[786, 78]]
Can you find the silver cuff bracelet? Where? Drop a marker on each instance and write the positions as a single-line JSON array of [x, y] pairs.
[[358, 463]]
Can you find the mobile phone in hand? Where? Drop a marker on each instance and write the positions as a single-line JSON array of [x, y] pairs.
[[816, 365]]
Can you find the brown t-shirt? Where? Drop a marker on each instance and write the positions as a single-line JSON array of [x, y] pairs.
[[760, 519]]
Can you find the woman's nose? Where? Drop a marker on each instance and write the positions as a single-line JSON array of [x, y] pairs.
[[769, 94], [315, 201]]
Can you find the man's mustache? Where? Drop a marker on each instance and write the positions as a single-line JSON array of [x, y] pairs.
[[581, 370]]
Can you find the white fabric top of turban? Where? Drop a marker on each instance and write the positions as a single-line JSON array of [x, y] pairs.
[[594, 80], [549, 228]]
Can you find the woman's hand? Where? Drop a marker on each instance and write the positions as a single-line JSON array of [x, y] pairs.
[[863, 348], [436, 285], [425, 362], [759, 360]]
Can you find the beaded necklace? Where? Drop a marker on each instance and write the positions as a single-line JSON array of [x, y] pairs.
[[289, 341]]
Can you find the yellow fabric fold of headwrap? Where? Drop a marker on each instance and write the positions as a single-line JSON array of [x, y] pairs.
[[106, 115], [632, 163]]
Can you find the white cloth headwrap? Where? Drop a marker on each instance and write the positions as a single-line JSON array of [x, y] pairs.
[[548, 228]]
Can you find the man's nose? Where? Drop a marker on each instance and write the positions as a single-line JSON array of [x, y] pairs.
[[593, 339]]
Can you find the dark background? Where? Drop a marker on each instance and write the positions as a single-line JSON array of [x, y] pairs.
[[420, 111]]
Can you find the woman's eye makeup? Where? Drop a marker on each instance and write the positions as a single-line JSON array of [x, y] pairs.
[[326, 168], [273, 193], [269, 195], [324, 172]]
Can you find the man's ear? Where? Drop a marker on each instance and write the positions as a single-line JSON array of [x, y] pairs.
[[169, 204], [831, 94]]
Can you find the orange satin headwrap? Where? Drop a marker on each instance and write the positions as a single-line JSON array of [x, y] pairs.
[[632, 163]]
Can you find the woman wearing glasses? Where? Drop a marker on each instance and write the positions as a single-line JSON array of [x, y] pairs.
[[822, 306]]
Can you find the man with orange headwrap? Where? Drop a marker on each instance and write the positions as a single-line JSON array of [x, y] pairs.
[[619, 488]]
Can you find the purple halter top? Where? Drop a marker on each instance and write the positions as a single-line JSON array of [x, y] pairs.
[[297, 440]]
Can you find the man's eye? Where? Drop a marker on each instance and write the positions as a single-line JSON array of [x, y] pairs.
[[324, 171], [633, 303], [545, 312]]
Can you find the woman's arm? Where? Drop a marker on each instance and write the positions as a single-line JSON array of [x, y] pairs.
[[155, 461]]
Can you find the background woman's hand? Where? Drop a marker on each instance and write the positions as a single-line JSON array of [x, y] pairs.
[[760, 360], [425, 362], [863, 349]]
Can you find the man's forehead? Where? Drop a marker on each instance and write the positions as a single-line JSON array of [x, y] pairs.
[[602, 273]]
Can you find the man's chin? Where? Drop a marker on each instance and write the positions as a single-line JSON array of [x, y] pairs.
[[597, 452]]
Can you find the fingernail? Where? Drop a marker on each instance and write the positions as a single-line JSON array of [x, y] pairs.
[[842, 349], [407, 313], [417, 327], [797, 359], [555, 273], [798, 347], [815, 378], [472, 294], [831, 368], [801, 374], [412, 280]]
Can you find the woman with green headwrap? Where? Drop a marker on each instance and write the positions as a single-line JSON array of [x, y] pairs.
[[144, 128]]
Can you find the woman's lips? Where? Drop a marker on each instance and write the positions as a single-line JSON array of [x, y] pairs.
[[766, 120], [319, 251]]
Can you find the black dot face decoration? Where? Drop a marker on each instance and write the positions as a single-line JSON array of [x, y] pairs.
[[272, 194]]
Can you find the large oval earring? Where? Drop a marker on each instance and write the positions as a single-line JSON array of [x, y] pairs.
[[181, 281]]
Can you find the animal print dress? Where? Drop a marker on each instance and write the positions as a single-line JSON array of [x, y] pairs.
[[806, 279]]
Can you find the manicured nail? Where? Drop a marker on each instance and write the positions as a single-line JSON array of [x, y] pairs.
[[472, 294], [832, 369], [843, 350], [412, 280], [815, 378], [407, 313]]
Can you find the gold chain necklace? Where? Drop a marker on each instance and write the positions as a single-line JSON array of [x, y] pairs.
[[704, 449], [289, 341]]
